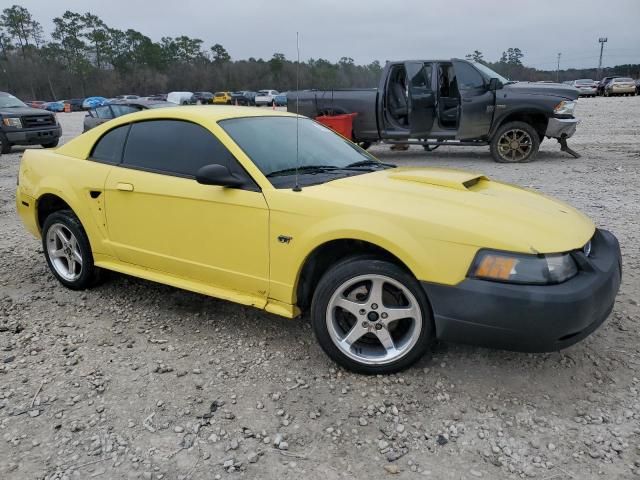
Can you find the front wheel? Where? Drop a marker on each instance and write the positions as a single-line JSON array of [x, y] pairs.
[[67, 251], [52, 144], [5, 146], [515, 142], [371, 316]]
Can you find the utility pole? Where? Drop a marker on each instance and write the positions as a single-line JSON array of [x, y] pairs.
[[602, 41], [558, 68]]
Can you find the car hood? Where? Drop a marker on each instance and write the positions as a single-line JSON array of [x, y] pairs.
[[466, 208], [22, 111], [555, 89]]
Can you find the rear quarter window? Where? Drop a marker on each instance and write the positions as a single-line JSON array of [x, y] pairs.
[[109, 148]]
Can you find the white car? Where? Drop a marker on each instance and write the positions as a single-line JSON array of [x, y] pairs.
[[265, 97], [180, 98], [586, 87]]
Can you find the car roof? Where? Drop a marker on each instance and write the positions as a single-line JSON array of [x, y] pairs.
[[80, 147]]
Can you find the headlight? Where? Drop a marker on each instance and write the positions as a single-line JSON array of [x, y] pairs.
[[565, 108], [521, 268], [12, 122]]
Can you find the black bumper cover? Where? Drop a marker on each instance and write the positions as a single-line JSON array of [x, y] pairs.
[[34, 136], [531, 318]]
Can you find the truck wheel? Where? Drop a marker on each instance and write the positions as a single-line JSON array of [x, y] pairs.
[[371, 316], [515, 142], [53, 144], [5, 146]]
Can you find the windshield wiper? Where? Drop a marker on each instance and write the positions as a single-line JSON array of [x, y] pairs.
[[369, 163], [303, 169]]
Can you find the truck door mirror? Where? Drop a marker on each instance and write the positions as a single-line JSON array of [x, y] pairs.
[[493, 84]]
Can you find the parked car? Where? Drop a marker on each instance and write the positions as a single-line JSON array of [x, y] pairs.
[[383, 259], [638, 87], [620, 86], [24, 125], [35, 103], [93, 102], [54, 106], [586, 87], [280, 100], [244, 97], [203, 98], [75, 104], [155, 97], [222, 98], [602, 83], [265, 97], [127, 97], [451, 102], [181, 98], [104, 113]]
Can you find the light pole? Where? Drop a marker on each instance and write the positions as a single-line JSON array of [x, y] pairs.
[[558, 68], [602, 41]]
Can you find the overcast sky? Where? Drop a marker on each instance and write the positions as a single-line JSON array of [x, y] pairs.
[[367, 30]]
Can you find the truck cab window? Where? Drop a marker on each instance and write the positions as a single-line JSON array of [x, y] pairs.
[[468, 78]]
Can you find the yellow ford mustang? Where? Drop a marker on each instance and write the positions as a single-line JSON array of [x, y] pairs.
[[384, 259]]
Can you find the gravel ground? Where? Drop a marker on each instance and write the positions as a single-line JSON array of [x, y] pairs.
[[139, 380]]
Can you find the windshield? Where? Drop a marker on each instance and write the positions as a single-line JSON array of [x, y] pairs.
[[270, 142], [623, 80], [489, 74], [584, 82], [9, 101]]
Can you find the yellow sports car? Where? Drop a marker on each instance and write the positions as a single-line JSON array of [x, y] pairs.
[[222, 98], [266, 209]]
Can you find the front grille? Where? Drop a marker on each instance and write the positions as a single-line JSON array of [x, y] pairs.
[[35, 121]]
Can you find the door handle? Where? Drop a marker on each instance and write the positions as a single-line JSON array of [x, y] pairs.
[[467, 100], [124, 187]]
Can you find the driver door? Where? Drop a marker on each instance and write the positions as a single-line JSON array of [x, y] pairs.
[[422, 100]]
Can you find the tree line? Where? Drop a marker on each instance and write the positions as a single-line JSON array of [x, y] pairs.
[[86, 57]]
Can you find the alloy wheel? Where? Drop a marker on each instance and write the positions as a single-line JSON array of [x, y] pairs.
[[374, 319], [64, 252], [515, 145]]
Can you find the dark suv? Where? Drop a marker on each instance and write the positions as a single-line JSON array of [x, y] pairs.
[[23, 125]]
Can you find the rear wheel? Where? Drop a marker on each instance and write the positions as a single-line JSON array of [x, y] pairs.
[[67, 251], [371, 316], [515, 142]]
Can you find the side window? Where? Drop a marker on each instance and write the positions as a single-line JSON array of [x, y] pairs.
[[109, 148], [468, 77], [423, 78], [104, 112], [174, 147], [119, 110]]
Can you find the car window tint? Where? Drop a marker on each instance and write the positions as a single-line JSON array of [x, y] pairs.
[[119, 110], [468, 77], [423, 78], [109, 148], [104, 112], [174, 147]]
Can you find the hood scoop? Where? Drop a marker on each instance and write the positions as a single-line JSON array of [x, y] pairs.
[[458, 180]]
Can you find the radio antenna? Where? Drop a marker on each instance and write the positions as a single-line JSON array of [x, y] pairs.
[[297, 188]]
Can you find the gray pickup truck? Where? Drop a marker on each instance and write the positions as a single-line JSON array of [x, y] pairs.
[[451, 102]]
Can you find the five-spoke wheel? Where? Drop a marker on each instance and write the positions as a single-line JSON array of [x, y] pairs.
[[371, 316]]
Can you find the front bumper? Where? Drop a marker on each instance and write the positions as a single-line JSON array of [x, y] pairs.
[[531, 318], [34, 136], [561, 127]]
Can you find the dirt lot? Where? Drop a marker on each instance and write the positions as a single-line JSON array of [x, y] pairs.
[[138, 380]]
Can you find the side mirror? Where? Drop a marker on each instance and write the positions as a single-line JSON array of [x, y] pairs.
[[493, 84], [215, 174]]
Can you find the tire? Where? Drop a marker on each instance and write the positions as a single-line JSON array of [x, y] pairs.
[[5, 146], [407, 338], [74, 266], [53, 144], [503, 143]]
